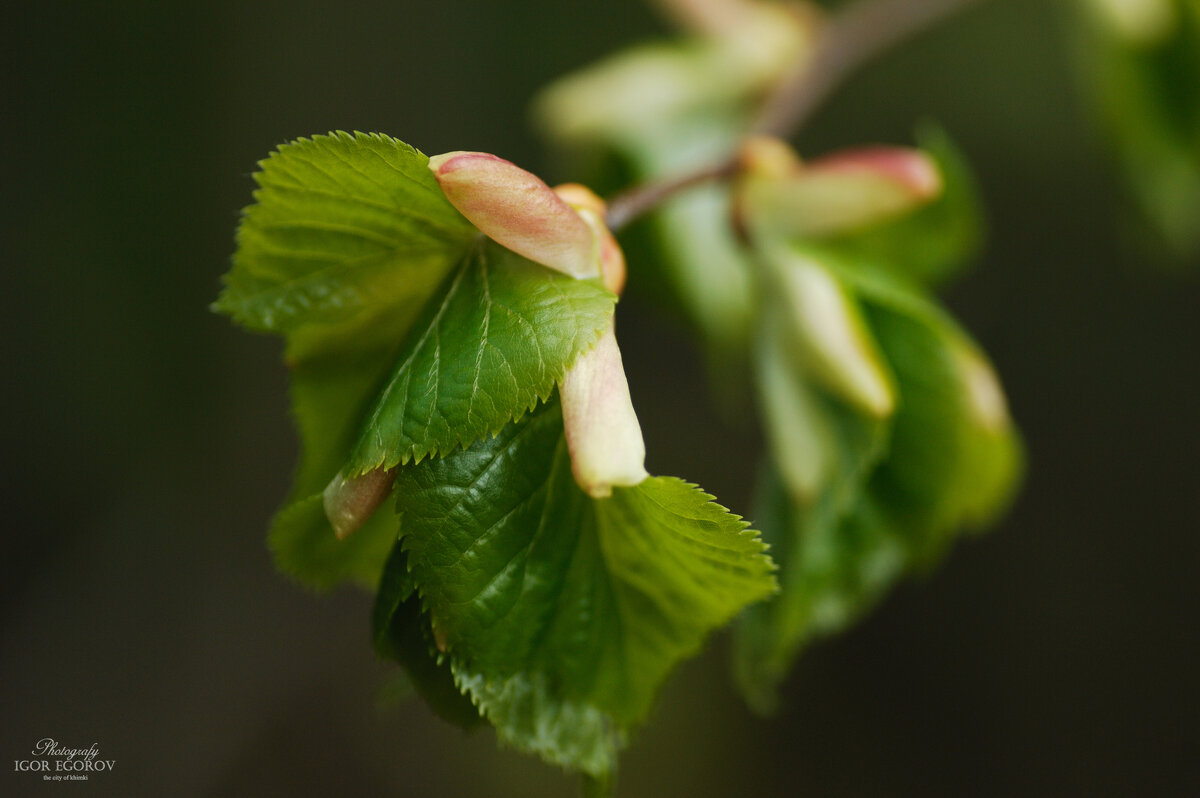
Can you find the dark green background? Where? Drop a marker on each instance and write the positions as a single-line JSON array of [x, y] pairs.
[[146, 441]]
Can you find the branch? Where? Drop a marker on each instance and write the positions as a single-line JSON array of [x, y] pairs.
[[630, 204], [850, 39]]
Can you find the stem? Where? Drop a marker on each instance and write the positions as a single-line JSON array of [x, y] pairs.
[[851, 38], [630, 204]]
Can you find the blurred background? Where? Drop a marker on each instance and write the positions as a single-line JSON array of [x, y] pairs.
[[147, 441]]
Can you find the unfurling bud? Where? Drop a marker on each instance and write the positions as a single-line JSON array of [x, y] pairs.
[[350, 503], [832, 337], [517, 210], [602, 430], [839, 193]]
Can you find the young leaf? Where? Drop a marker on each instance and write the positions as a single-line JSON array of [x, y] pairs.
[[821, 444], [857, 497], [340, 224], [562, 614], [355, 256], [337, 371], [955, 456], [347, 240], [950, 459], [499, 336]]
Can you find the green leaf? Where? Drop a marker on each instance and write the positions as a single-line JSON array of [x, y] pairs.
[[335, 380], [341, 223], [407, 332], [563, 614], [955, 456], [402, 633], [708, 271], [492, 341], [821, 444], [1146, 91], [835, 563], [950, 461], [348, 239], [499, 336]]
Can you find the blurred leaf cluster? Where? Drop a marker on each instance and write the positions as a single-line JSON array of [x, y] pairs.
[[810, 290], [426, 353], [1140, 60]]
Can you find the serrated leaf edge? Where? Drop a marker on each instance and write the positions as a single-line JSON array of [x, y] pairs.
[[461, 667]]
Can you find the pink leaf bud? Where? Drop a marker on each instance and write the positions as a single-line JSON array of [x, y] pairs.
[[911, 171], [518, 211], [836, 194], [603, 435], [350, 502]]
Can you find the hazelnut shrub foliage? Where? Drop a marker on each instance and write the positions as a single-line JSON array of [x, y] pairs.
[[469, 450]]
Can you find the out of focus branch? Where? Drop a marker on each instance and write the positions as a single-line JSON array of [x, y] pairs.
[[851, 38]]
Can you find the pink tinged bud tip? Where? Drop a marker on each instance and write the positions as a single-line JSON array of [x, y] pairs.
[[835, 194], [603, 435], [350, 503], [517, 210], [910, 170]]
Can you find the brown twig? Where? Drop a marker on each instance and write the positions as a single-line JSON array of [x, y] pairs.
[[850, 39], [628, 205]]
